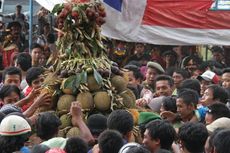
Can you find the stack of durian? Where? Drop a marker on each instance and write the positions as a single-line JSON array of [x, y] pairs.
[[83, 71]]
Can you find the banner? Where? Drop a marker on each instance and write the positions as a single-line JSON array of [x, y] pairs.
[[167, 22]]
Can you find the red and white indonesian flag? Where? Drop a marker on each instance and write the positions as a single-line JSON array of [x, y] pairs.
[[169, 22]]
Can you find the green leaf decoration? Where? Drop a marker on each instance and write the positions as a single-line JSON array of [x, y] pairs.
[[69, 82], [78, 80], [97, 77], [83, 77], [57, 8]]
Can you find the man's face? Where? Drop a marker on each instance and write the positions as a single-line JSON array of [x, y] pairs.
[[183, 109], [150, 143], [11, 99], [226, 80], [132, 79], [36, 54], [151, 75], [217, 56], [207, 97], [12, 80], [139, 48], [37, 83], [177, 78], [15, 31], [203, 86], [163, 88]]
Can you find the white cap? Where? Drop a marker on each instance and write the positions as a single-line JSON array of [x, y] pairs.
[[222, 122], [14, 125], [127, 146]]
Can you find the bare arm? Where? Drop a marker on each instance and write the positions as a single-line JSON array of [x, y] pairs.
[[77, 120]]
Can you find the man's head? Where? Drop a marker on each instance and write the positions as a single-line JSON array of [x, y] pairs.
[[226, 78], [153, 69], [134, 74], [193, 84], [23, 61], [186, 102], [122, 121], [215, 111], [47, 125], [159, 134], [12, 76], [10, 94], [221, 142], [164, 85], [217, 53], [178, 76], [192, 137], [15, 29], [110, 141], [207, 78], [34, 77], [75, 145], [139, 48], [18, 8], [214, 93], [36, 53]]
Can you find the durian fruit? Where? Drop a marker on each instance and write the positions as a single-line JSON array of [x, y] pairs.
[[62, 132], [64, 102], [73, 132], [86, 100], [66, 90], [65, 121], [119, 83], [102, 101], [45, 108], [129, 98], [135, 115], [92, 83]]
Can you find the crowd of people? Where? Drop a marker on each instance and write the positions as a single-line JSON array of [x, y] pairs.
[[183, 101]]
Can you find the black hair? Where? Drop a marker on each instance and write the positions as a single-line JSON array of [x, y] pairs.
[[40, 148], [76, 145], [51, 38], [138, 149], [189, 96], [219, 93], [165, 77], [14, 24], [33, 73], [193, 136], [218, 110], [183, 73], [190, 84], [36, 45], [136, 71], [120, 120], [47, 125], [222, 141], [211, 137], [226, 70], [6, 90], [162, 130], [97, 124], [110, 141], [169, 104], [24, 60], [9, 144], [11, 71], [217, 49], [163, 151]]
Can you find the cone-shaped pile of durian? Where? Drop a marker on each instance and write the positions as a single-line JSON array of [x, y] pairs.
[[83, 71]]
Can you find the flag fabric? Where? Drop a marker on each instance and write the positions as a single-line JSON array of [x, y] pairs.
[[167, 22]]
